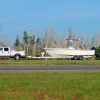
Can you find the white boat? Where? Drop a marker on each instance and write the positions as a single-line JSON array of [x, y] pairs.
[[70, 52]]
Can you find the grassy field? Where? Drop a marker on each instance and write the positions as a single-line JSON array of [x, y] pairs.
[[50, 86], [47, 62]]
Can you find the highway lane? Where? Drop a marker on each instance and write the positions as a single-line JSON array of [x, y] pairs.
[[49, 68]]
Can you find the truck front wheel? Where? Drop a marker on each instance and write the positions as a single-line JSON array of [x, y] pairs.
[[17, 57]]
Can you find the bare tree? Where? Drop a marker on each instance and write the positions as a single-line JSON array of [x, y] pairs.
[[96, 40], [50, 38], [62, 42], [3, 40]]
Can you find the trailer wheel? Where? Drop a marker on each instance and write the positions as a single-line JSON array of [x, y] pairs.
[[80, 57], [17, 57], [75, 57]]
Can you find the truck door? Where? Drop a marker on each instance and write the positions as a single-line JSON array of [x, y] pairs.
[[1, 52], [6, 52]]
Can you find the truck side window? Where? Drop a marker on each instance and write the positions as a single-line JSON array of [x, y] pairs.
[[6, 49], [1, 49]]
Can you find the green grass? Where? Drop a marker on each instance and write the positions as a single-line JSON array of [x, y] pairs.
[[50, 86], [47, 62]]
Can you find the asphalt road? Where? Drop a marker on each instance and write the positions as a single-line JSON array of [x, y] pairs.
[[49, 68]]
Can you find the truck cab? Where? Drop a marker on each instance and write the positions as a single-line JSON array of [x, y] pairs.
[[6, 52]]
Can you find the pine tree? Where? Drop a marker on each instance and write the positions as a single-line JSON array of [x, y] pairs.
[[25, 42], [38, 46], [17, 43], [31, 45]]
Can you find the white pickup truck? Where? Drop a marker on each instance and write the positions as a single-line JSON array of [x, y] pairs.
[[6, 52]]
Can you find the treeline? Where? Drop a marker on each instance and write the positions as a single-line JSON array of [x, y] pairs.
[[33, 45]]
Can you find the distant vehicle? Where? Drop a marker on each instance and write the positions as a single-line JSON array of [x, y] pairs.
[[6, 52]]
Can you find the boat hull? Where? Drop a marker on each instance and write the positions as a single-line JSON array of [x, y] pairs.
[[68, 53]]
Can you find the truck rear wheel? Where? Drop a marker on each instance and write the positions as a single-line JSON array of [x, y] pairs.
[[17, 57], [80, 57], [75, 57]]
